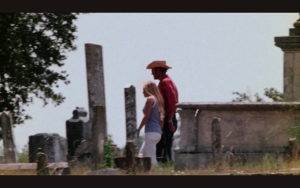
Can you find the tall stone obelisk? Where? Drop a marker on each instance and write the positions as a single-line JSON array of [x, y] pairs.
[[290, 45], [130, 115], [96, 98]]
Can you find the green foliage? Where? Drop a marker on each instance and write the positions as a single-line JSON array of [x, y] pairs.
[[108, 155], [31, 45], [271, 93], [242, 97], [23, 157], [274, 94]]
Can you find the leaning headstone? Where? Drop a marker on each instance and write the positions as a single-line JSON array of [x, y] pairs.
[[82, 156], [53, 145], [96, 98], [130, 114], [10, 150], [42, 164], [77, 129], [216, 142]]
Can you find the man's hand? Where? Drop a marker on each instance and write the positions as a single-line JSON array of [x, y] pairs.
[[171, 126]]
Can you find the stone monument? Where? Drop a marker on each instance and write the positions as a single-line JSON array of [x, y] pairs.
[[96, 100], [130, 115], [290, 45], [77, 129], [247, 127], [10, 150]]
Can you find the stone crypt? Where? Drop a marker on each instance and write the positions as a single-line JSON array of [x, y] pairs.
[[248, 129]]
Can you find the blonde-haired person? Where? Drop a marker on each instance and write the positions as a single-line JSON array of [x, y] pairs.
[[152, 120]]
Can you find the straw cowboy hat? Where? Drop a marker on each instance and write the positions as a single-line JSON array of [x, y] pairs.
[[162, 64]]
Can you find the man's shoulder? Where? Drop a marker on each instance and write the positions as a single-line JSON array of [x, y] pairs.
[[166, 80]]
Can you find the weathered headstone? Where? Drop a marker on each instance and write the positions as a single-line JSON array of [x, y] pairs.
[[82, 155], [10, 151], [77, 129], [96, 98], [130, 115], [292, 149], [142, 163], [42, 164], [130, 157], [53, 145], [216, 142]]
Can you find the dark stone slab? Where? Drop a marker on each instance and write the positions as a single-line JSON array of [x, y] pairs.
[[77, 130], [53, 145]]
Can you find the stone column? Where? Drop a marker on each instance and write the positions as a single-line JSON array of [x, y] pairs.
[[290, 45], [96, 98], [130, 157], [10, 150], [130, 114], [188, 141], [216, 141]]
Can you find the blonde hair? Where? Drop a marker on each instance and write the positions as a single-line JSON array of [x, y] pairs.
[[152, 90]]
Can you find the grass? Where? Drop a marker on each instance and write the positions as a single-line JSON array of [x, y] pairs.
[[268, 165]]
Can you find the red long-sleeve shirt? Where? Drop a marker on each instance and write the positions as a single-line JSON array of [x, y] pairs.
[[169, 93]]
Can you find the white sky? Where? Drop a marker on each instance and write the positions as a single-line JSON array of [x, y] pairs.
[[212, 55]]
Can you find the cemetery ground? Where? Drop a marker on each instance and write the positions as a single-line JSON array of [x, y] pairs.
[[268, 166]]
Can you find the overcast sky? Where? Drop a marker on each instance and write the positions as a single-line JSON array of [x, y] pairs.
[[211, 55]]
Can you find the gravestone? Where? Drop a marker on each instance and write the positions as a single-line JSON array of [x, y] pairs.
[[96, 99], [53, 145], [42, 164], [77, 129], [216, 141], [132, 163], [10, 151], [130, 115], [130, 157]]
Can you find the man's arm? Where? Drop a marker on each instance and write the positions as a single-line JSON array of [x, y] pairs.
[[170, 101]]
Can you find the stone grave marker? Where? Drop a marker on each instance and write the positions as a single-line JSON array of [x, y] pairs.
[[10, 150], [130, 114]]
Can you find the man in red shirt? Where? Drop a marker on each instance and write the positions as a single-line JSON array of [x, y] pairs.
[[169, 92]]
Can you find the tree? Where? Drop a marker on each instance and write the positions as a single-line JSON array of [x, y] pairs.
[[31, 45], [271, 93]]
